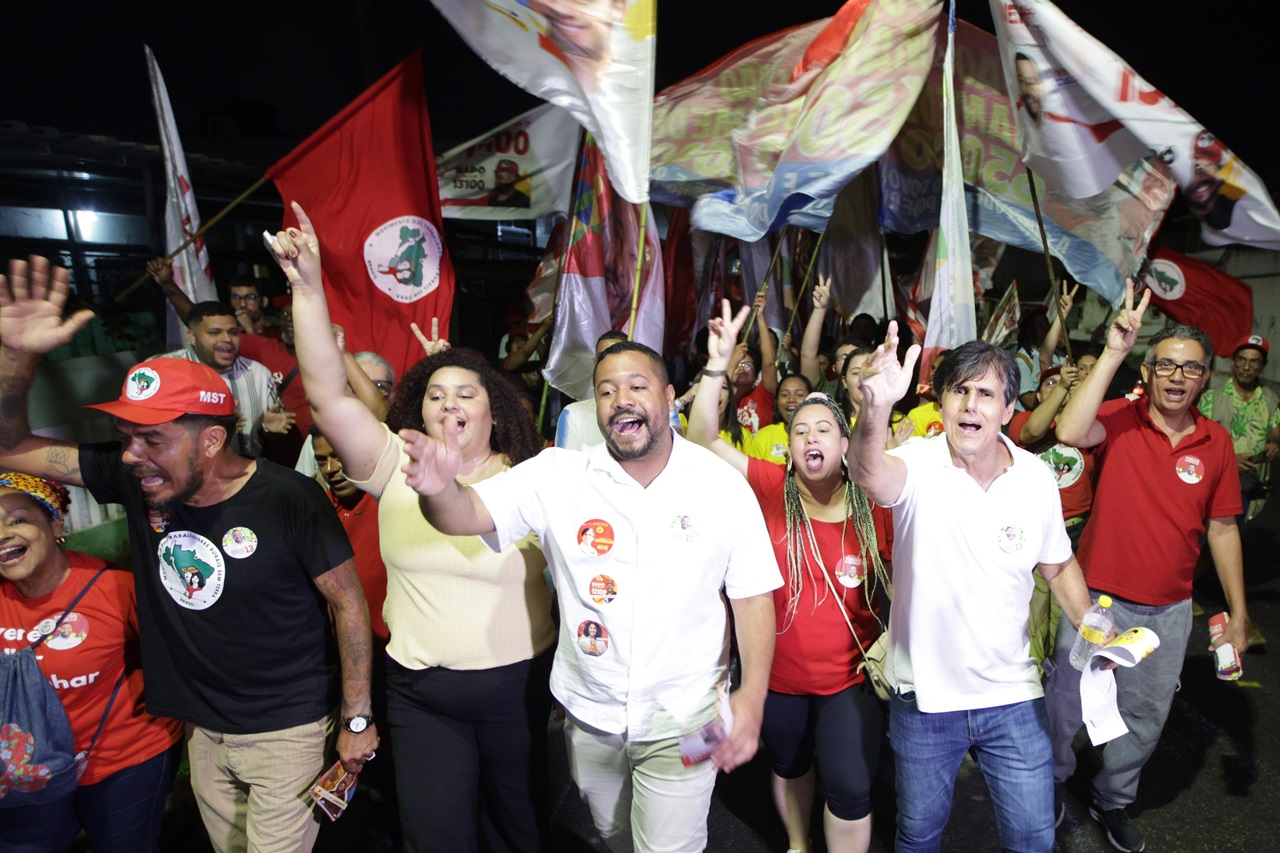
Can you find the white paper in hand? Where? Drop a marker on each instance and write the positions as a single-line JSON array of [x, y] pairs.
[[1098, 682]]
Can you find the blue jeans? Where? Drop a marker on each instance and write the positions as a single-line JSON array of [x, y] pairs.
[[121, 814], [1010, 744]]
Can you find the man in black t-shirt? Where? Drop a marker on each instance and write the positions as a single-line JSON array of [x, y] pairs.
[[238, 563]]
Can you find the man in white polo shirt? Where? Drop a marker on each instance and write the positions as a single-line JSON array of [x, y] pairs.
[[973, 515], [642, 534]]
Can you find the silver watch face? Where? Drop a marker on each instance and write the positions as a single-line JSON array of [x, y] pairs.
[[356, 725]]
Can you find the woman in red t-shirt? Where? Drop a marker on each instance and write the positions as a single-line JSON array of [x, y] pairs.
[[825, 539], [125, 780]]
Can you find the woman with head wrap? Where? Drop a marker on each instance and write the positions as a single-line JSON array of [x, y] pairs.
[[92, 660]]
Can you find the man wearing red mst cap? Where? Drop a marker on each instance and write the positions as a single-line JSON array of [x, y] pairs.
[[237, 563]]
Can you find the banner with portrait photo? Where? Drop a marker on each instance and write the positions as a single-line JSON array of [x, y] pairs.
[[807, 139], [1101, 239], [1083, 112], [593, 58], [521, 170]]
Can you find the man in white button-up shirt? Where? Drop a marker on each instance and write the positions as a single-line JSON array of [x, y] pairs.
[[642, 533]]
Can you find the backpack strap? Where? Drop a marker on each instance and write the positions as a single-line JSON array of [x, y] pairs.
[[70, 607], [103, 722], [289, 377]]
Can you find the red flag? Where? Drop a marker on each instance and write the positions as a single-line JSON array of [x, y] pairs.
[[1194, 292], [367, 179]]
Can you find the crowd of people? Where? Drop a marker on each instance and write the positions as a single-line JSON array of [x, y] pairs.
[[431, 587]]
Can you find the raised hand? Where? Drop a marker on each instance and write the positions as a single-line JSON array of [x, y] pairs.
[[1067, 300], [722, 335], [1070, 377], [900, 433], [297, 251], [884, 379], [822, 292], [162, 272], [434, 345], [1123, 333], [31, 303], [432, 464]]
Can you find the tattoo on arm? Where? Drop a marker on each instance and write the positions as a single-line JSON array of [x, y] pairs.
[[63, 460], [341, 588]]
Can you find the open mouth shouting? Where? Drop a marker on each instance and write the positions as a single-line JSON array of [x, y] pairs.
[[11, 555]]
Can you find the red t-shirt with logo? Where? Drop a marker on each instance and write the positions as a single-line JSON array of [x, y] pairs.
[[280, 362], [815, 654], [85, 657], [756, 409], [1072, 466], [1152, 503]]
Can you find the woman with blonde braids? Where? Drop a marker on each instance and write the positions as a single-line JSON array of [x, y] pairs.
[[826, 538]]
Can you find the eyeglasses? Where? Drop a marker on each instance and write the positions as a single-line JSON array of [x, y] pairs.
[[1165, 368], [244, 297], [746, 365]]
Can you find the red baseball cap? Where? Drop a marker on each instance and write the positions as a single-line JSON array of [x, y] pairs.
[[160, 390], [1256, 342], [1050, 372]]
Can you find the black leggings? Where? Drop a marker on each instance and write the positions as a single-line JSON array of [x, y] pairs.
[[469, 743], [846, 728]]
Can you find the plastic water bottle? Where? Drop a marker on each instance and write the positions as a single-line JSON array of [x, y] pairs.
[[1094, 627]]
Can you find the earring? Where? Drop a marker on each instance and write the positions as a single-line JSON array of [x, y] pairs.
[[60, 541]]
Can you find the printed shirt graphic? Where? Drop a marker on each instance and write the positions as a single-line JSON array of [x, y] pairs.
[[1250, 422], [191, 569]]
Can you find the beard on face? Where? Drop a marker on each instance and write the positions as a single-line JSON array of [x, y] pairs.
[[633, 452], [195, 482]]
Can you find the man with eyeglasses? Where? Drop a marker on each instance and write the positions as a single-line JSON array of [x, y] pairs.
[[1250, 411], [1167, 477]]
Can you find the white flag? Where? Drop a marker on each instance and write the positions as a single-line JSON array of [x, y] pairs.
[[594, 60], [191, 270], [1084, 115]]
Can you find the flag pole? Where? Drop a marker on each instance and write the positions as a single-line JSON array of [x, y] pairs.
[[124, 294], [1048, 260], [642, 244], [884, 278], [813, 261], [764, 285]]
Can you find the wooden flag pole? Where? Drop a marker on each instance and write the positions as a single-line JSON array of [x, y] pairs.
[[641, 247], [128, 291], [764, 285], [808, 274], [1048, 261]]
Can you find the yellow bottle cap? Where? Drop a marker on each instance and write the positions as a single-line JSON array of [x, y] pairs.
[[1104, 600]]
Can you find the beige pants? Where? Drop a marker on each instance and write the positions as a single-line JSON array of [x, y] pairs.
[[641, 795], [252, 789]]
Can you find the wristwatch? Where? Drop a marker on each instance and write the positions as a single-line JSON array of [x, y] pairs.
[[358, 723]]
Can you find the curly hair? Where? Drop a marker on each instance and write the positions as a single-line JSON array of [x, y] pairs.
[[512, 435]]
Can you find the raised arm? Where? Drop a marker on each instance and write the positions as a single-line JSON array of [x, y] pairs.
[[884, 382], [357, 380], [1041, 420], [161, 272], [704, 414], [1078, 424], [31, 302], [812, 338], [1059, 325], [768, 352], [351, 428], [518, 359]]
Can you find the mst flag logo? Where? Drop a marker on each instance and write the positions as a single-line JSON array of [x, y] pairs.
[[192, 570], [143, 383], [403, 258], [1165, 278]]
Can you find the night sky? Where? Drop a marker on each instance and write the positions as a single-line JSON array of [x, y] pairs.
[[283, 70]]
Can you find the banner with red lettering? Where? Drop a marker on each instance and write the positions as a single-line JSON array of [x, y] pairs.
[[593, 59], [367, 180], [521, 170], [598, 280], [191, 269], [1102, 240], [1191, 291], [1084, 115]]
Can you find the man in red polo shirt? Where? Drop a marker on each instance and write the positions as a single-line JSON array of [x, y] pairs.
[[1167, 477]]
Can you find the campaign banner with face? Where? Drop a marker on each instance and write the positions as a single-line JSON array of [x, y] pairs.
[[1084, 115], [809, 137], [593, 58], [521, 170], [1101, 240]]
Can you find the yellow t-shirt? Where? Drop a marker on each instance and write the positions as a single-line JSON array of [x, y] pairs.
[[927, 418]]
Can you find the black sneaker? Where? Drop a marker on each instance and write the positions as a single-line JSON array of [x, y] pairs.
[[1059, 804], [1121, 832]]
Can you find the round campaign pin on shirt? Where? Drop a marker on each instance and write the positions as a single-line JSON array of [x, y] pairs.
[[1189, 468], [43, 629], [603, 589], [1011, 539], [593, 639], [239, 542], [850, 572], [595, 537], [71, 633]]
